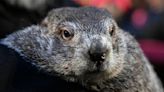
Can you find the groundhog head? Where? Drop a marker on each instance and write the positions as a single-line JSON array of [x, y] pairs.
[[77, 44]]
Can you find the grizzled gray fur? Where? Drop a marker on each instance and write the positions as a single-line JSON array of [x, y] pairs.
[[85, 46]]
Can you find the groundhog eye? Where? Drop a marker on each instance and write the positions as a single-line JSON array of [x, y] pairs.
[[66, 35]]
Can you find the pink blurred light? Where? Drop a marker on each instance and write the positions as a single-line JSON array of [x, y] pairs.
[[96, 3], [154, 50], [139, 18], [123, 5]]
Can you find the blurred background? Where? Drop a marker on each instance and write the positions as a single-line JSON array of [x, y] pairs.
[[144, 19]]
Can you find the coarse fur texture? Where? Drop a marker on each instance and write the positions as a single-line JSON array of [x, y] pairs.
[[99, 55]]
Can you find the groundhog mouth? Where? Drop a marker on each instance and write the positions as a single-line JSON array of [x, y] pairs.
[[93, 76], [98, 66]]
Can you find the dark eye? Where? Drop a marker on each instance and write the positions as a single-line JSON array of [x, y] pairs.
[[66, 35]]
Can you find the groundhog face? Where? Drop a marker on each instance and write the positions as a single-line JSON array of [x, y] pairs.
[[81, 48], [73, 46]]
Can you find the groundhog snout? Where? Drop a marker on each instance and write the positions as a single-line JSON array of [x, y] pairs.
[[98, 52]]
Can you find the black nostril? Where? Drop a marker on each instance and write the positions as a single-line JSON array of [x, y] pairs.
[[97, 56]]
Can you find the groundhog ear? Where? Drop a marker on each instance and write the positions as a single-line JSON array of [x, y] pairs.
[[114, 33], [23, 40], [113, 27], [44, 23], [112, 30]]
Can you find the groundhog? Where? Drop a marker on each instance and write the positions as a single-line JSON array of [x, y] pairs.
[[85, 46]]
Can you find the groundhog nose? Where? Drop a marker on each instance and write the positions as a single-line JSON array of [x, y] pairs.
[[97, 57], [98, 53]]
